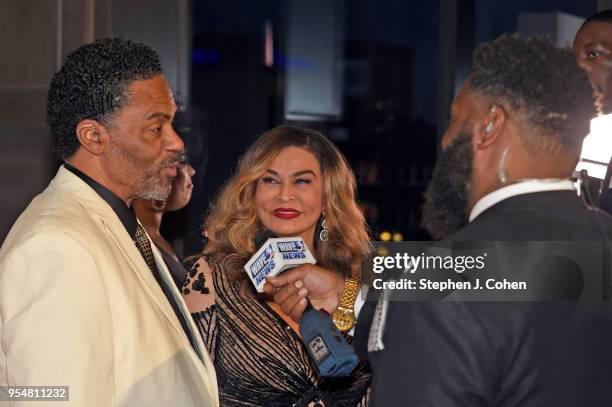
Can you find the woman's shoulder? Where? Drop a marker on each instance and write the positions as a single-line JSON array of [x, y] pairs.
[[198, 290]]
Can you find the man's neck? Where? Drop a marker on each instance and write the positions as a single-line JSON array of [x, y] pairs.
[[94, 171]]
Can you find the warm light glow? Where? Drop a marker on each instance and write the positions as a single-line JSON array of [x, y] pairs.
[[269, 45], [597, 147], [382, 251], [385, 236], [397, 237]]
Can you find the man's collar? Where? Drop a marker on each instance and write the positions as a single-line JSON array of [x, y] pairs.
[[520, 188], [125, 214]]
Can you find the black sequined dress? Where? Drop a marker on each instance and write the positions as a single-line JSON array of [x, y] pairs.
[[261, 361]]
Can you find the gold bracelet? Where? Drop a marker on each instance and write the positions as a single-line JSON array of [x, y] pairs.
[[344, 315]]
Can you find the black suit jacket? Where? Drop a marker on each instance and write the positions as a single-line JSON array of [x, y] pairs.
[[500, 354]]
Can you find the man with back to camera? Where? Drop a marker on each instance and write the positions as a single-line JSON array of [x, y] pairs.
[[593, 49], [513, 142], [85, 299]]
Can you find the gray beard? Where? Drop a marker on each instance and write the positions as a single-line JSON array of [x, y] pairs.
[[153, 189], [147, 183]]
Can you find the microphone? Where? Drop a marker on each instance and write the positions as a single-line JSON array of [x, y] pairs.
[[276, 255], [333, 356], [327, 347]]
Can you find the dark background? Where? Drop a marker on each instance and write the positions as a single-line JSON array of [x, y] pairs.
[[389, 129], [403, 62]]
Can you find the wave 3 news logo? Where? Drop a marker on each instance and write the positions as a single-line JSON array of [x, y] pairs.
[[263, 265], [292, 250]]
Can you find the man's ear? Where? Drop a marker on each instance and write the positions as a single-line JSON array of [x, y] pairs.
[[490, 127], [92, 136]]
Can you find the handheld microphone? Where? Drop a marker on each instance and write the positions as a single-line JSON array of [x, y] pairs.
[[326, 346], [276, 255], [333, 356]]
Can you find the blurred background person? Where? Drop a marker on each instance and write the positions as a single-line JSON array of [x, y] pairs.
[[150, 213], [188, 123], [291, 182], [593, 48]]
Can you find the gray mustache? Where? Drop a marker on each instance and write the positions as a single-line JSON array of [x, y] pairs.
[[175, 159]]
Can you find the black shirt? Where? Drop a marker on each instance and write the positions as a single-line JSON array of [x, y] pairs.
[[176, 268]]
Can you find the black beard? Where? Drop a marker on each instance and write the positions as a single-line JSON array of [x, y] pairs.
[[446, 197]]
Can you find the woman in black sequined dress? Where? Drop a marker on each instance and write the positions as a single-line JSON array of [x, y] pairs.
[[290, 182]]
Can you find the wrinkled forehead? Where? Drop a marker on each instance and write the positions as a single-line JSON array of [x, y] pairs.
[[144, 101], [153, 91]]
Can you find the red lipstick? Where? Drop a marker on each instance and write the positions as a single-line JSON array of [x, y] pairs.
[[286, 213]]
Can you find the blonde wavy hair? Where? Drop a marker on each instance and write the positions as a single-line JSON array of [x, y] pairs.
[[232, 223]]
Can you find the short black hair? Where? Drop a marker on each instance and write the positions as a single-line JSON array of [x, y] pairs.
[[544, 87], [93, 84], [603, 16]]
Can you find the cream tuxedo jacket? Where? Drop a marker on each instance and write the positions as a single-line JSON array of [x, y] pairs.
[[80, 308]]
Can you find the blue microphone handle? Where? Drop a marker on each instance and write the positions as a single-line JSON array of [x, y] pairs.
[[327, 347]]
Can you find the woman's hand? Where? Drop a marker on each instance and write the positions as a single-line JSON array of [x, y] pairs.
[[293, 288]]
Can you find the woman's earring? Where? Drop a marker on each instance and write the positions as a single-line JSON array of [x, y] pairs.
[[324, 234], [159, 205]]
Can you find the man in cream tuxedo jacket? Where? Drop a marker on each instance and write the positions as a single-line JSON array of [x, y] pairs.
[[85, 300]]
